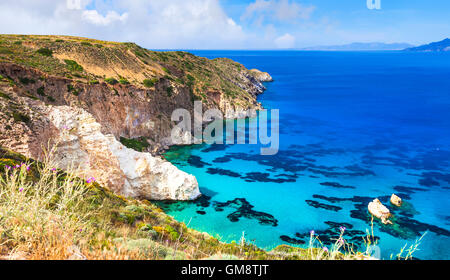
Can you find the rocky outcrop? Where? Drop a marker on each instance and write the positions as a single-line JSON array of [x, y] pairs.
[[377, 209], [261, 76], [30, 126], [396, 200], [124, 170]]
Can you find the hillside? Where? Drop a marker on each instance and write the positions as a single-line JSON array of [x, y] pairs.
[[441, 46], [95, 100]]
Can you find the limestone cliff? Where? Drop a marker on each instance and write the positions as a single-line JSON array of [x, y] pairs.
[[106, 92]]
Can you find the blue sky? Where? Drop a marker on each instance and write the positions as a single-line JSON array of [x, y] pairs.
[[231, 24]]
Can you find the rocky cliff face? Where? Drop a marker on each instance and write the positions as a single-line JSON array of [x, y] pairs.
[[63, 95]]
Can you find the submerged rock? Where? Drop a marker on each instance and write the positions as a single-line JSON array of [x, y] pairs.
[[377, 209], [395, 200]]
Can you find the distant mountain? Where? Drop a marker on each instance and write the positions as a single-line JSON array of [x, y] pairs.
[[441, 46], [375, 46]]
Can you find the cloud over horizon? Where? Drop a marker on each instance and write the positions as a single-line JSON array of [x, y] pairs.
[[214, 24]]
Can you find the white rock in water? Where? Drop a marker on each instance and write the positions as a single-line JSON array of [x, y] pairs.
[[395, 200], [123, 170], [377, 209]]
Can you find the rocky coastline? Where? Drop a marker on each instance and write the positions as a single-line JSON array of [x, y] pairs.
[[61, 99]]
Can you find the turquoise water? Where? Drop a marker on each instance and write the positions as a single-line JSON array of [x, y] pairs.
[[353, 126]]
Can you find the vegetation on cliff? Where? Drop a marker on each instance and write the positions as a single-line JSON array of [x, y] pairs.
[[87, 60]]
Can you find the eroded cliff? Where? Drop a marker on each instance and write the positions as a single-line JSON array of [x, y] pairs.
[[86, 95]]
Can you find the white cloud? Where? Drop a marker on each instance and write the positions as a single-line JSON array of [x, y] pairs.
[[94, 17], [287, 41], [153, 24], [280, 10]]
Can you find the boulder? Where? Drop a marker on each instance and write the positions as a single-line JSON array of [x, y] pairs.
[[377, 209], [395, 200]]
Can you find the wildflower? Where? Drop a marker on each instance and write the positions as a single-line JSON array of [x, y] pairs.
[[90, 180], [28, 168], [8, 167], [325, 249], [21, 190], [54, 169], [342, 228], [312, 232]]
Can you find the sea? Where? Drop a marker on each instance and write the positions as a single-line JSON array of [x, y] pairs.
[[353, 126]]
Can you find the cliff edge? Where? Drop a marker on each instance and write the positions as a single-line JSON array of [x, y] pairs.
[[95, 99]]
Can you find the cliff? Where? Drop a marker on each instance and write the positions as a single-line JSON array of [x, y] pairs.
[[87, 95]]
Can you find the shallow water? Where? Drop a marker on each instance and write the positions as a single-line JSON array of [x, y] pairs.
[[353, 126]]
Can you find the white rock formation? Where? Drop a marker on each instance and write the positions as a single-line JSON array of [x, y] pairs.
[[261, 76], [377, 209], [396, 200], [82, 145]]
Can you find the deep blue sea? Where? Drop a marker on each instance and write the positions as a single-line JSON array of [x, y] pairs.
[[354, 126]]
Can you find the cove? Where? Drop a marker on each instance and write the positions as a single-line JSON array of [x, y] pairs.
[[353, 126]]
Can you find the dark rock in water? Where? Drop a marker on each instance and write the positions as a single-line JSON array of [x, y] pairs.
[[360, 170], [222, 159], [338, 225], [201, 212], [223, 172], [291, 240], [431, 179], [196, 161], [317, 204], [404, 226], [264, 177], [336, 185], [245, 209]]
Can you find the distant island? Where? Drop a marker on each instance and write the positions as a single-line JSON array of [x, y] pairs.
[[441, 46], [374, 46]]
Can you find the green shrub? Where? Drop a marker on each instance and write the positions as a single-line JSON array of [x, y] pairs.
[[169, 91], [124, 81], [4, 95], [166, 70], [93, 82], [41, 91], [4, 50], [138, 144], [73, 65], [111, 81], [59, 41], [150, 82], [85, 43], [45, 52], [26, 81], [19, 117]]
